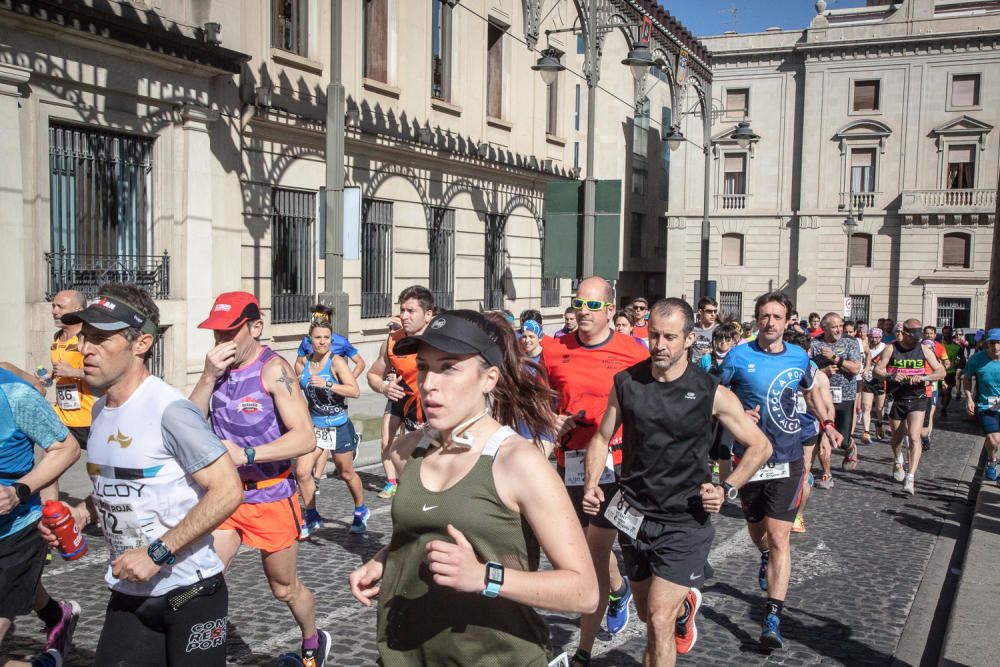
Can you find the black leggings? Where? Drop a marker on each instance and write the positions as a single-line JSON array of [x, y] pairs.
[[146, 632]]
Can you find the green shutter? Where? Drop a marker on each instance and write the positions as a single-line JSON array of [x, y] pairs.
[[607, 229], [563, 230]]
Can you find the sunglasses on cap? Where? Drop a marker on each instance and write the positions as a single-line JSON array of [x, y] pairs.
[[589, 304]]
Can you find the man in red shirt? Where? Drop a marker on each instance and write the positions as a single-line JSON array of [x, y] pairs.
[[581, 368]]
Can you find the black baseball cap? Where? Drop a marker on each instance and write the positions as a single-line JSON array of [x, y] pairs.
[[451, 333], [109, 314]]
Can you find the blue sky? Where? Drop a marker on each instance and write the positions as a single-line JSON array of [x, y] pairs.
[[713, 17]]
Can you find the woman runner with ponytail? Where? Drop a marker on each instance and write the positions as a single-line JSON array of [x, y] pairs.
[[458, 583]]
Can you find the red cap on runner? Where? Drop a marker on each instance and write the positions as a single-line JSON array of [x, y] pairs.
[[231, 310]]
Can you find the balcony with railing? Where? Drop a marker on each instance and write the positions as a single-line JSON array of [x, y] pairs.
[[732, 202], [916, 205], [859, 200], [87, 272]]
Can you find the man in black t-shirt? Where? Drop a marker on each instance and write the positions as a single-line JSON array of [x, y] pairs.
[[666, 407]]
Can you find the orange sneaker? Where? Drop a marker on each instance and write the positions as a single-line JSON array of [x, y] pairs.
[[686, 632]]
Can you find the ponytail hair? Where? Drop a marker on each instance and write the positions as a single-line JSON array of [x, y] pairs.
[[522, 394]]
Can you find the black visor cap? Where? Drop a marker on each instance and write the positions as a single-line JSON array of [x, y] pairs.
[[455, 335]]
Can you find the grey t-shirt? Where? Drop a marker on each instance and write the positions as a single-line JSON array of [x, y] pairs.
[[702, 342], [846, 348]]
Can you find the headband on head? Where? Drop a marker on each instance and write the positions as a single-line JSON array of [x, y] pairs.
[[532, 326]]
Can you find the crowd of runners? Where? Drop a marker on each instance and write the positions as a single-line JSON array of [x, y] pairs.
[[500, 441]]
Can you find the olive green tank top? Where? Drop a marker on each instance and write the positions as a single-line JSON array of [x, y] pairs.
[[421, 623]]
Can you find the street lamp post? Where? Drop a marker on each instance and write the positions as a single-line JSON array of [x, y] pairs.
[[850, 227], [594, 16]]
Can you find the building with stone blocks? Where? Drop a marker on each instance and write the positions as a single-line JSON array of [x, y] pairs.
[[892, 108], [180, 144]]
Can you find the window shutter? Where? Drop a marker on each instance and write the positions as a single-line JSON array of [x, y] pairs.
[[960, 154], [732, 250], [377, 40], [494, 72], [861, 250], [964, 90], [865, 95], [736, 104], [955, 253], [734, 164], [863, 158]]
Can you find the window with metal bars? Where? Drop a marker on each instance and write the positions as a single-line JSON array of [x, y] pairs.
[[954, 313], [293, 218], [441, 242], [157, 356], [100, 214], [730, 304], [496, 261], [860, 308], [550, 292], [376, 258], [289, 26]]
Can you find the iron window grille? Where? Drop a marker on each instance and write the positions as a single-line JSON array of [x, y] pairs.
[[550, 292], [376, 258], [954, 313], [101, 212], [157, 356], [441, 243], [730, 304], [496, 261], [860, 308], [293, 218]]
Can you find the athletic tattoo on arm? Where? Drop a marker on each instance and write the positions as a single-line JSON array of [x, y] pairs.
[[285, 380]]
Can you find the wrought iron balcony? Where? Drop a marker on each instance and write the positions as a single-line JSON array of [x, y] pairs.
[[87, 272]]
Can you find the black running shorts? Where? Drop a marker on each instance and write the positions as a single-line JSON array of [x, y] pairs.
[[902, 407], [843, 419], [774, 499], [576, 497], [147, 632], [406, 410], [22, 557], [876, 387], [676, 552]]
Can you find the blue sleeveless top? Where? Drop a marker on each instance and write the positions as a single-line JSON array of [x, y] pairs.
[[327, 408]]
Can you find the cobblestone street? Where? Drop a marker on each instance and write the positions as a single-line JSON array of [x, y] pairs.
[[855, 574]]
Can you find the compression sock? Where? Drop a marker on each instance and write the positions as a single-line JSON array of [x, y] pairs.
[[773, 606], [620, 593], [51, 613]]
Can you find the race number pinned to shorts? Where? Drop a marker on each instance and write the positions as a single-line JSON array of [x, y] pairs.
[[68, 396], [623, 516], [837, 393], [121, 526], [770, 471], [326, 438], [574, 475], [994, 402]]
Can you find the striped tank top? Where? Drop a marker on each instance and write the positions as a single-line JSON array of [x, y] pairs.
[[421, 623], [242, 411]]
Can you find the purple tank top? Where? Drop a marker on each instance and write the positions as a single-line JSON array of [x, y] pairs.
[[243, 412]]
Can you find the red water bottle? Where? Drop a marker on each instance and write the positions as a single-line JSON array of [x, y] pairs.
[[72, 543]]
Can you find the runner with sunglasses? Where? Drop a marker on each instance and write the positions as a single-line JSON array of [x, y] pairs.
[[704, 327], [640, 328], [581, 369], [908, 367]]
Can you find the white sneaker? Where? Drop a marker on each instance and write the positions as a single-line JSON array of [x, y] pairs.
[[908, 485], [898, 473]]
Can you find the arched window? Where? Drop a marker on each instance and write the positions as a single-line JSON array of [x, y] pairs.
[[732, 250], [956, 250], [861, 250]]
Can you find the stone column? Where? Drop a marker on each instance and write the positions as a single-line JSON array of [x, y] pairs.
[[193, 174], [13, 253]]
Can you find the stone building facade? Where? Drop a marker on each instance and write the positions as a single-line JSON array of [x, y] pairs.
[[890, 108]]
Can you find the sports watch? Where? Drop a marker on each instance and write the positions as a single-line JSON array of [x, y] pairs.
[[249, 453], [160, 554], [23, 492], [732, 493], [494, 579]]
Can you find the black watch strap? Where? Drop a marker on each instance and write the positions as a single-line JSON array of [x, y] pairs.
[[732, 493], [23, 492]]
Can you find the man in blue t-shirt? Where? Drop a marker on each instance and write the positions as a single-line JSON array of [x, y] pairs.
[[338, 345], [767, 375], [26, 420], [983, 370]]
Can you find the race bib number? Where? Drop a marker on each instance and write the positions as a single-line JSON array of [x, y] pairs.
[[838, 394], [770, 471], [994, 402], [623, 516], [326, 438], [574, 475], [68, 396], [800, 404], [121, 526]]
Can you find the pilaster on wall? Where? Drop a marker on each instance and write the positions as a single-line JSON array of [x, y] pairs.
[[808, 262], [195, 215], [12, 252]]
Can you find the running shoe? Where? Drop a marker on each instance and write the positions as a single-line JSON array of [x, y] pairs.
[[360, 523], [990, 472], [318, 657], [880, 432], [316, 482], [798, 526], [60, 635], [686, 632], [825, 482], [618, 615], [898, 473], [313, 521], [850, 461], [51, 658], [908, 485], [304, 531], [765, 556], [388, 491], [770, 636], [866, 439], [926, 442]]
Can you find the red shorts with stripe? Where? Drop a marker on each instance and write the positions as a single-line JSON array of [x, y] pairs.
[[270, 527], [777, 499]]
